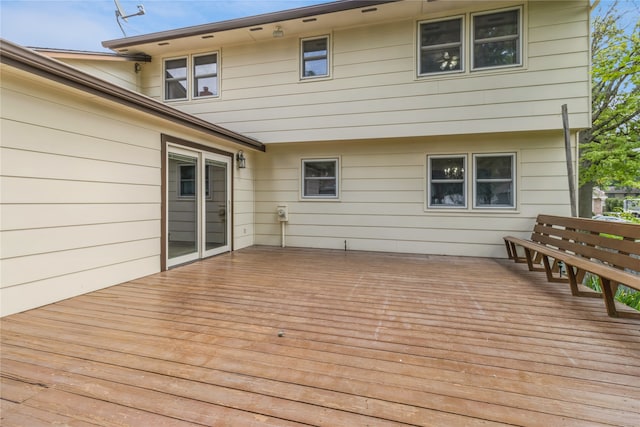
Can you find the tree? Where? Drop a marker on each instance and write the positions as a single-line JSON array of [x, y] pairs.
[[610, 150]]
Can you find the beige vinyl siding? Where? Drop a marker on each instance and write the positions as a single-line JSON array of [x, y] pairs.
[[374, 91], [80, 192], [121, 73], [383, 190]]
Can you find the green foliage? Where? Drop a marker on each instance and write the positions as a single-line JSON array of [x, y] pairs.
[[607, 155], [625, 295], [612, 204]]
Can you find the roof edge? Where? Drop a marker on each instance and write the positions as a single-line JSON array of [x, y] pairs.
[[250, 21], [25, 59]]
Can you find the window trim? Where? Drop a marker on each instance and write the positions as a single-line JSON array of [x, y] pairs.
[[462, 45], [303, 179], [328, 58], [513, 180], [520, 38], [465, 180]]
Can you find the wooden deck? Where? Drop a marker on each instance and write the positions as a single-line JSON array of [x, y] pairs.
[[284, 337]]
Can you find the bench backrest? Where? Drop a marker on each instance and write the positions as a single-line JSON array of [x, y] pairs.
[[614, 243]]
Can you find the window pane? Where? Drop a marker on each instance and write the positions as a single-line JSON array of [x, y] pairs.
[[320, 169], [494, 194], [496, 39], [176, 68], [447, 168], [494, 167], [205, 65], [440, 46], [437, 33], [313, 48], [206, 86], [495, 25], [445, 194], [315, 57], [496, 53], [205, 75], [176, 78], [317, 187], [445, 59], [320, 178]]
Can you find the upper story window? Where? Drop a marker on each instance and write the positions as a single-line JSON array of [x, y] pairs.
[[196, 75], [314, 57], [494, 182], [205, 75], [175, 78], [441, 48], [497, 39], [320, 178]]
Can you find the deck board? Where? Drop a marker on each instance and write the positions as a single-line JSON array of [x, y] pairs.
[[368, 339]]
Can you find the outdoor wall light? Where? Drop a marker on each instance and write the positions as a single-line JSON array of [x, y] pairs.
[[277, 33], [241, 160]]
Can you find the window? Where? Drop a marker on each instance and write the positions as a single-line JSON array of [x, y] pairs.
[[205, 75], [315, 57], [197, 75], [447, 181], [494, 181], [187, 182], [175, 78], [440, 46], [320, 178], [496, 39]]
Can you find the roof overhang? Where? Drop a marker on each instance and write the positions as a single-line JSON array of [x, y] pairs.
[[27, 60], [253, 28]]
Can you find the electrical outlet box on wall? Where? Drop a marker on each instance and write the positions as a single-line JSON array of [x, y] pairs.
[[283, 213]]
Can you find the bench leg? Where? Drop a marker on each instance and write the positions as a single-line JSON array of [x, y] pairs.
[[575, 279], [608, 294], [548, 268]]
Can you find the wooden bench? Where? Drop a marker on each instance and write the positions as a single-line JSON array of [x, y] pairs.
[[608, 250]]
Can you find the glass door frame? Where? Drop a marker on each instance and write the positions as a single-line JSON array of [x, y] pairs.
[[202, 152]]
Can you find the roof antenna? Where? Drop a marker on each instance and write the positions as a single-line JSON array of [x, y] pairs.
[[120, 14]]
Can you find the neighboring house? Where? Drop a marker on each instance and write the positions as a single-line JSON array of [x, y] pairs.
[[428, 127]]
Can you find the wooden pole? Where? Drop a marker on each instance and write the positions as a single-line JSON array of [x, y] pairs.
[[569, 158]]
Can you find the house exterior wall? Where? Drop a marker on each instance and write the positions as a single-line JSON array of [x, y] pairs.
[[80, 196], [374, 91], [382, 204], [121, 73]]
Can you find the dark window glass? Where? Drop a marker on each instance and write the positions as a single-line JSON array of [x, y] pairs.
[[441, 46], [496, 39], [315, 57]]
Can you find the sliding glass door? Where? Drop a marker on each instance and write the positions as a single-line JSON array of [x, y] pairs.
[[198, 202]]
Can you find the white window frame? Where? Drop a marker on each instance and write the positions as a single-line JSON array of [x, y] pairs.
[[165, 80], [303, 60], [303, 179], [215, 91], [464, 181], [461, 44], [512, 180], [519, 38]]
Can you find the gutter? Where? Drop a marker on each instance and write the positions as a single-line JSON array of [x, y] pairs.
[[27, 60]]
